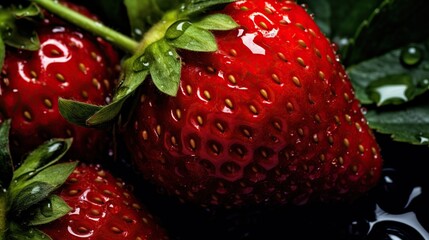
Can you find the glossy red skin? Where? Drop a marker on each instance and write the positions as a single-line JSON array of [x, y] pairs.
[[29, 83], [282, 141], [102, 209]]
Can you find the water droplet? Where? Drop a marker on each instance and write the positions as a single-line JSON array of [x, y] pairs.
[[138, 32], [177, 29], [141, 64], [35, 190], [391, 90], [423, 139], [411, 56], [305, 6], [46, 208]]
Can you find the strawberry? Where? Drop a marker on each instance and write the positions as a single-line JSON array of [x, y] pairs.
[[67, 63], [269, 117], [248, 103], [92, 203], [102, 208]]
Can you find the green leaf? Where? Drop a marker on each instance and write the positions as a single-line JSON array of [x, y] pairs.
[[177, 29], [77, 112], [17, 232], [199, 6], [54, 207], [145, 13], [127, 88], [216, 22], [339, 19], [16, 28], [392, 25], [105, 114], [6, 165], [97, 116], [405, 124], [390, 72], [43, 156], [132, 79], [54, 175], [195, 39], [28, 192], [165, 67], [29, 195]]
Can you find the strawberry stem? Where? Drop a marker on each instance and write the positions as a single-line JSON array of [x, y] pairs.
[[124, 42], [118, 39]]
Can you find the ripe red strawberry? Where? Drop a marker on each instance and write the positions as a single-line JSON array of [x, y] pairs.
[[69, 63], [66, 200], [102, 208], [270, 117], [259, 110]]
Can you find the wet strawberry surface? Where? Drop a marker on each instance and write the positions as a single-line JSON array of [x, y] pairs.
[[396, 209]]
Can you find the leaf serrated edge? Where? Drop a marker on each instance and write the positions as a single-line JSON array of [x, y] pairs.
[[364, 24]]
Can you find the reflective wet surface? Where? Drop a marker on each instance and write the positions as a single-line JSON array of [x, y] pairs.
[[397, 209]]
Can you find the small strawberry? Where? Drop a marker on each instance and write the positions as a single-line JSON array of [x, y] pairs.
[[92, 203], [247, 104], [66, 62]]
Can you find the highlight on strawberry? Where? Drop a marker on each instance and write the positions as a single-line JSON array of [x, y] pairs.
[[49, 198], [44, 58], [231, 103]]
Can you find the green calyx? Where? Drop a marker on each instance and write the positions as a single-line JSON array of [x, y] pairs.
[[16, 30], [26, 194], [186, 27]]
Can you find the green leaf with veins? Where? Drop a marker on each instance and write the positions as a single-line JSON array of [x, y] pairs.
[[88, 115], [195, 39], [48, 210], [339, 19], [164, 66], [29, 191], [399, 74], [43, 156], [218, 21], [392, 25], [408, 123], [76, 112], [16, 28], [30, 194], [194, 7], [107, 113]]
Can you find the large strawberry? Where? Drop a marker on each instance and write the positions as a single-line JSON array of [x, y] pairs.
[[59, 60], [268, 117], [92, 203], [258, 108]]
